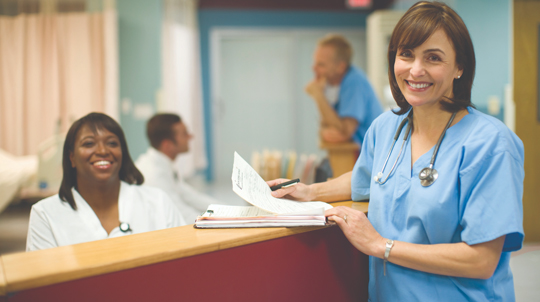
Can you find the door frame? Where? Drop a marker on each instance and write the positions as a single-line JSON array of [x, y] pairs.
[[526, 23]]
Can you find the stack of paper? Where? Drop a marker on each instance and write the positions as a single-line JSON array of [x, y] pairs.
[[267, 211]]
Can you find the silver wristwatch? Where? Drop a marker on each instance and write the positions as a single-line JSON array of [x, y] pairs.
[[389, 245]]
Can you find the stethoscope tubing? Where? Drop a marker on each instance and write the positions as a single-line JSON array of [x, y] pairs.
[[400, 150], [436, 151], [426, 180]]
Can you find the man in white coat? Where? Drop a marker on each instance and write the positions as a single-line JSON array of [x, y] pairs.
[[168, 138]]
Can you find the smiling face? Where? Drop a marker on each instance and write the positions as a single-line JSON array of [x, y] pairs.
[[426, 73], [96, 156]]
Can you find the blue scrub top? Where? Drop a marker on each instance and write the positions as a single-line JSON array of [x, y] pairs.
[[477, 198], [358, 100]]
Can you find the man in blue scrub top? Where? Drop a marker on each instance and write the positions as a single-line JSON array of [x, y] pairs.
[[345, 99]]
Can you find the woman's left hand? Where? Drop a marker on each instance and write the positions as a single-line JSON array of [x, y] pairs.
[[358, 230]]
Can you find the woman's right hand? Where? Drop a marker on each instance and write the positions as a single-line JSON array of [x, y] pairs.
[[298, 192]]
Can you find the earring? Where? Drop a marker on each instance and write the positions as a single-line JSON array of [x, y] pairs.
[[458, 77]]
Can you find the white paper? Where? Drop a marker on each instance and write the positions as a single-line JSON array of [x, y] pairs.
[[252, 188]]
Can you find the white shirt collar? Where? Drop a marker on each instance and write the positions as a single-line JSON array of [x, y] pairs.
[[90, 218], [332, 93]]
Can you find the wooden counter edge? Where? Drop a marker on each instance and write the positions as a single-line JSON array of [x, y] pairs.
[[13, 281]]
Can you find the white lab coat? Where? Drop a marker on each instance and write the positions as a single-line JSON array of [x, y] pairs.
[[158, 171], [54, 223]]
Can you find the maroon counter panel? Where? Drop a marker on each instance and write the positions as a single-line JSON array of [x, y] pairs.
[[315, 266]]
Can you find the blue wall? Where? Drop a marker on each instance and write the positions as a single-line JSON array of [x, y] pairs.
[[139, 35], [489, 24], [209, 19]]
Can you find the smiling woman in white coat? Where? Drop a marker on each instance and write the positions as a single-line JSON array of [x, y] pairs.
[[100, 195]]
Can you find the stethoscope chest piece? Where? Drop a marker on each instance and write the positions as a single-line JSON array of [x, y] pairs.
[[428, 176], [124, 227]]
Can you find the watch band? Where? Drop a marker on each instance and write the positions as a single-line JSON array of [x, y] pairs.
[[389, 245]]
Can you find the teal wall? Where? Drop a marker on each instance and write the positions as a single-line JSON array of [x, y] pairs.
[[139, 35], [489, 24]]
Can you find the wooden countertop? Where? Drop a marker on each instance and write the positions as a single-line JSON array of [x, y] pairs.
[[22, 271]]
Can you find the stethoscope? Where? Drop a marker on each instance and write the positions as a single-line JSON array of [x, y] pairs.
[[428, 175], [125, 227]]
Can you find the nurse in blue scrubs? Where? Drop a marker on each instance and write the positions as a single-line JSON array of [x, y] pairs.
[[444, 233]]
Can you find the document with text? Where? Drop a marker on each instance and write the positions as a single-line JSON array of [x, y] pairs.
[[267, 211]]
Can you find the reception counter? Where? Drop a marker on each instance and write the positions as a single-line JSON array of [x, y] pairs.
[[188, 264]]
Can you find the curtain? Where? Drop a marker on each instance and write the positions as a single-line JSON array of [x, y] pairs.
[[54, 69], [182, 88]]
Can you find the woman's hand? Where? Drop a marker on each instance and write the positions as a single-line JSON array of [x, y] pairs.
[[357, 228], [450, 259], [298, 192], [337, 189]]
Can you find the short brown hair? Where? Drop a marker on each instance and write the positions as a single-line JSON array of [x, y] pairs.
[[414, 28], [159, 128], [341, 45]]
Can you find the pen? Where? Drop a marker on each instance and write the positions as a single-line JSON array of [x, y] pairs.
[[285, 184]]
